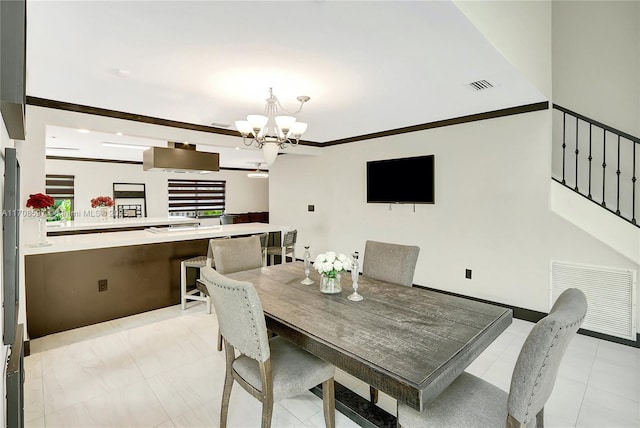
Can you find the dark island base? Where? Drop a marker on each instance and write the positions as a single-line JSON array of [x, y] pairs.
[[62, 288]]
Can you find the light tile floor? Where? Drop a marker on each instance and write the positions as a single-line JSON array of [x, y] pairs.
[[161, 369]]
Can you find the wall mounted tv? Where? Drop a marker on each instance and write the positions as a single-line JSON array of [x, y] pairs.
[[403, 181]]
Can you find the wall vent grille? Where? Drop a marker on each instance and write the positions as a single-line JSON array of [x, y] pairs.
[[610, 292], [479, 85]]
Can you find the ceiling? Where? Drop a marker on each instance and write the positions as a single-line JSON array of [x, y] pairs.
[[367, 66]]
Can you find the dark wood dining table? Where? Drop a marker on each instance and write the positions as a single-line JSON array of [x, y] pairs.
[[408, 342]]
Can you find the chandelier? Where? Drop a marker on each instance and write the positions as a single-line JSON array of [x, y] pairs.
[[272, 131]]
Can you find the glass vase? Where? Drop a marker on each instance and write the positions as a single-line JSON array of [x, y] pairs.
[[42, 231], [103, 213], [330, 285]]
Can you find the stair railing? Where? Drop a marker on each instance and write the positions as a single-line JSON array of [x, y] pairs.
[[604, 146]]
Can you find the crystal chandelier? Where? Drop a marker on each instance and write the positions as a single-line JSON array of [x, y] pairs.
[[272, 131]]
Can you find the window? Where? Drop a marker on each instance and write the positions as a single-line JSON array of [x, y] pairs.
[[61, 189], [196, 198]]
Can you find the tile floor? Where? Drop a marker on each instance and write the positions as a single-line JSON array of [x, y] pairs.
[[161, 369]]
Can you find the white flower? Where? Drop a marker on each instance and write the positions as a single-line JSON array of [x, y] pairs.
[[331, 262]]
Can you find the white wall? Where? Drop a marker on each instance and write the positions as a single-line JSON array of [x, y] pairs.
[[596, 60], [243, 194], [491, 213], [520, 30], [620, 235]]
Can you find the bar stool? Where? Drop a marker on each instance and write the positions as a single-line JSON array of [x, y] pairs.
[[197, 262], [288, 247]]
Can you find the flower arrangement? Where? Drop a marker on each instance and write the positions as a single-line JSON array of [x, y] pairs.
[[101, 201], [331, 264], [40, 202]]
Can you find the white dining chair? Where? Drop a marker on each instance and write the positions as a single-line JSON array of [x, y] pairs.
[[388, 262], [235, 255], [269, 369], [472, 402]]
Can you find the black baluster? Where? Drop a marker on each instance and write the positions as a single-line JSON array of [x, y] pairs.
[[633, 187], [564, 145], [618, 174], [577, 151], [590, 159], [604, 163]]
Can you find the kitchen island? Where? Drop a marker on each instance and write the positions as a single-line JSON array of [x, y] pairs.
[[58, 228], [85, 279]]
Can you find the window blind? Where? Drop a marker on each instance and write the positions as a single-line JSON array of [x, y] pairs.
[[196, 198], [61, 187]]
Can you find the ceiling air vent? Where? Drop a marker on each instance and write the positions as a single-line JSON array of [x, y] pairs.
[[479, 85]]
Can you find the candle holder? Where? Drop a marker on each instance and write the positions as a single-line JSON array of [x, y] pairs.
[[355, 297], [307, 266]]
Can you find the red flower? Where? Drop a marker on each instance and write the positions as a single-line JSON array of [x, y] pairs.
[[40, 201], [101, 201]]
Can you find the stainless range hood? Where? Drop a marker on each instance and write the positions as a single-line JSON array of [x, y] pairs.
[[179, 157]]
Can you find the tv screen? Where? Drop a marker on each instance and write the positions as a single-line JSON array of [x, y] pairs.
[[405, 180]]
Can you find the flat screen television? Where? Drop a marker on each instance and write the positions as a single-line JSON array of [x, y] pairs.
[[401, 181]]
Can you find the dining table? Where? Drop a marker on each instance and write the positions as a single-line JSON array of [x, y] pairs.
[[408, 342]]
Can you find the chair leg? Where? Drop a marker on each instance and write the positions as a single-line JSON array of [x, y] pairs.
[[284, 255], [226, 391], [208, 305], [540, 419], [219, 341], [272, 259], [267, 413], [183, 286], [329, 403], [373, 394]]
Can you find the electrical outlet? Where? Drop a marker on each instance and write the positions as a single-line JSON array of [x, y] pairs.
[[102, 285], [467, 273], [311, 208]]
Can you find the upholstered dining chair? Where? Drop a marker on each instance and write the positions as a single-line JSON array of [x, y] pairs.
[[288, 247], [236, 254], [470, 401], [269, 369], [393, 263]]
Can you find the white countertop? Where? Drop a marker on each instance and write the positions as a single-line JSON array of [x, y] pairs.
[[115, 223], [91, 241]]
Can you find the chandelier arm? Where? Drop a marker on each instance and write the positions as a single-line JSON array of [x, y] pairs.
[[287, 111]]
